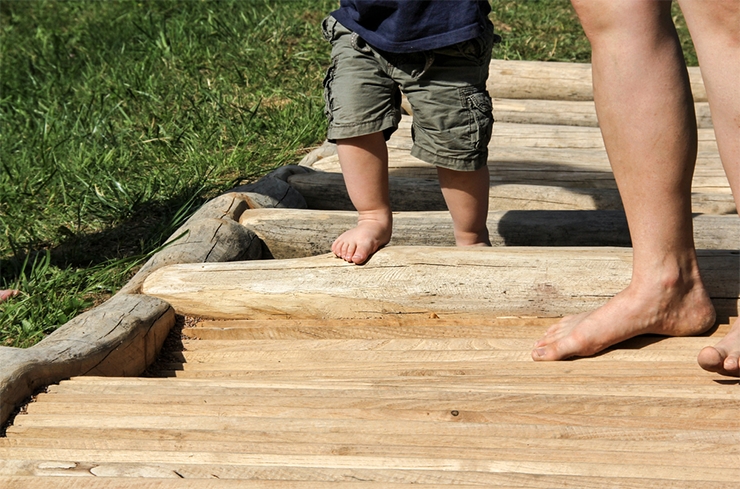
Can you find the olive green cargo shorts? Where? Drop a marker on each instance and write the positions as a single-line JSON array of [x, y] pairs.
[[446, 89]]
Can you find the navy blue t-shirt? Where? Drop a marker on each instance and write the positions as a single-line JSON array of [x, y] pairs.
[[406, 26]]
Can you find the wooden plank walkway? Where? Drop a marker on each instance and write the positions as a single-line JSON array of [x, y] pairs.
[[433, 393], [429, 401]]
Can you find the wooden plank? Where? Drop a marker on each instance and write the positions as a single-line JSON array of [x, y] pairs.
[[541, 426], [299, 475], [530, 281], [231, 392], [645, 344], [527, 461], [523, 163], [454, 322], [519, 403], [272, 417], [717, 387], [511, 351], [412, 325], [358, 332], [511, 461], [506, 371], [556, 80], [507, 364], [383, 449], [543, 136], [327, 191], [401, 163], [174, 481], [560, 112], [163, 439], [316, 399], [533, 80], [357, 479], [590, 382], [422, 318], [192, 350], [658, 440], [293, 233], [236, 336]]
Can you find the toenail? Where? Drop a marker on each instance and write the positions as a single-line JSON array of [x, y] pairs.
[[540, 352]]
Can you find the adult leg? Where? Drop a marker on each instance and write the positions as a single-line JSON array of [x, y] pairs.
[[715, 29], [364, 162], [466, 195], [645, 111]]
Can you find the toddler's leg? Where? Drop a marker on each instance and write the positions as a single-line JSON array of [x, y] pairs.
[[364, 162], [466, 194]]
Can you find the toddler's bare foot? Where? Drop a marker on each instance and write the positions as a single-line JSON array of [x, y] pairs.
[[630, 313], [360, 242], [724, 357], [7, 294]]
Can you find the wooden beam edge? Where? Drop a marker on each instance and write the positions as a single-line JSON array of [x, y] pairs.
[[545, 282]]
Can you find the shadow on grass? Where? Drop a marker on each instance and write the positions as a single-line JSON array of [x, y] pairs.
[[146, 228]]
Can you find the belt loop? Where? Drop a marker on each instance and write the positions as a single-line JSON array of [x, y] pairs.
[[359, 44]]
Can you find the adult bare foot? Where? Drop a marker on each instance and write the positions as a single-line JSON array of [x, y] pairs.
[[724, 357], [630, 313], [359, 243], [7, 294]]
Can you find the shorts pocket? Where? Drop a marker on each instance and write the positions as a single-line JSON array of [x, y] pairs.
[[480, 115]]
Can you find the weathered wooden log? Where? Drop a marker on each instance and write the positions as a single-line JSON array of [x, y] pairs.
[[531, 168], [556, 81], [120, 337], [520, 162], [517, 281], [292, 233], [210, 234], [559, 112], [203, 240], [542, 136], [327, 191], [273, 191], [570, 156]]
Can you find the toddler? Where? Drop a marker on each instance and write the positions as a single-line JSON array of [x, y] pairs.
[[436, 52]]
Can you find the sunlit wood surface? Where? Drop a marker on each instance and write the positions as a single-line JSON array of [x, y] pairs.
[[429, 400]]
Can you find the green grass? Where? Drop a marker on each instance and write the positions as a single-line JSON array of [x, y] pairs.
[[118, 118]]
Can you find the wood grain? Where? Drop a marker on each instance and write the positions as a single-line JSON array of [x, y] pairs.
[[500, 281], [292, 233]]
